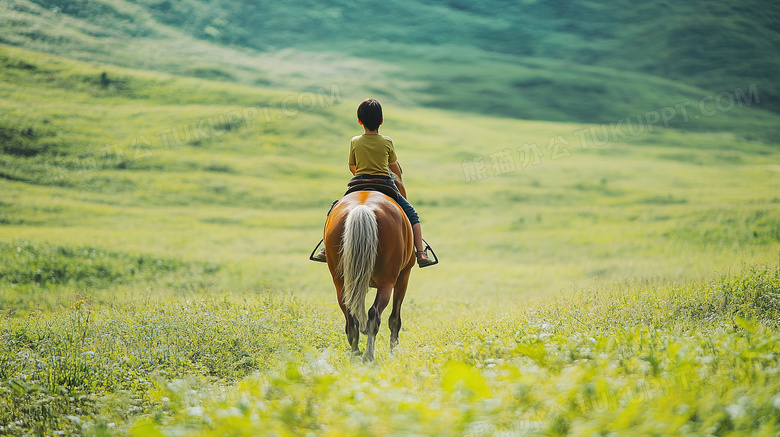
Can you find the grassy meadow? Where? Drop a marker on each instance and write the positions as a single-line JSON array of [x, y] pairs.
[[158, 284], [250, 198], [609, 239]]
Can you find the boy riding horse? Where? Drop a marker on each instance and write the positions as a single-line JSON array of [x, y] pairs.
[[372, 157]]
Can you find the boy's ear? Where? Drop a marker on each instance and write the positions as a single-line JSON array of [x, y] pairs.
[[360, 122]]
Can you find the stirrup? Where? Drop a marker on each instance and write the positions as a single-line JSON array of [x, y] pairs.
[[425, 250], [312, 258]]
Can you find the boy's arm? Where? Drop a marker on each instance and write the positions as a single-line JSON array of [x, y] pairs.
[[352, 159], [396, 169]]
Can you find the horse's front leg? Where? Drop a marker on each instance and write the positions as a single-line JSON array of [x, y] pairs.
[[383, 292]]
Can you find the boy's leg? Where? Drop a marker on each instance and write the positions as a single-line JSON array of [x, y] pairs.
[[422, 257], [417, 232], [414, 219]]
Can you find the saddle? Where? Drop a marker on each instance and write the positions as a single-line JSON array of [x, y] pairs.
[[383, 186], [380, 185]]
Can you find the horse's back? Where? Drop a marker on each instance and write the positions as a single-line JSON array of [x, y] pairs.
[[395, 231], [385, 209]]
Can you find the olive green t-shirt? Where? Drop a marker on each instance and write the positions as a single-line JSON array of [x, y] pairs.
[[371, 153]]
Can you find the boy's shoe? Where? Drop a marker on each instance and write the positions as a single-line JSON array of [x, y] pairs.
[[320, 256], [423, 260]]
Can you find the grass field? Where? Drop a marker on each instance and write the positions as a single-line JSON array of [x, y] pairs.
[[155, 230], [640, 359]]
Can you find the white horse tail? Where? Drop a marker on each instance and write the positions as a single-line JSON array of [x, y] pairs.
[[358, 256]]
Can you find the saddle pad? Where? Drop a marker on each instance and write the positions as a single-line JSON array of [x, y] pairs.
[[373, 185]]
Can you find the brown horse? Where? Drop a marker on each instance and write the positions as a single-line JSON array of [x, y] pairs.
[[373, 240]]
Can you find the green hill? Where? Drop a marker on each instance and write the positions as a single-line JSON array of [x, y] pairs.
[[562, 61]]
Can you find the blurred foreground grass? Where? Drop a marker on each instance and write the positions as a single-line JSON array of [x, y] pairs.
[[644, 359]]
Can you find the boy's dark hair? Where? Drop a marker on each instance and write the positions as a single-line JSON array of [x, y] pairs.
[[370, 114]]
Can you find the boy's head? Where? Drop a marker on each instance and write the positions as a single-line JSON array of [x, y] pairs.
[[370, 114]]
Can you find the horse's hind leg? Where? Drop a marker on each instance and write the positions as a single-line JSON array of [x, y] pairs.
[[353, 334], [351, 328], [375, 318], [398, 297]]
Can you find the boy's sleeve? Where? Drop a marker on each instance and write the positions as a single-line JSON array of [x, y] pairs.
[[352, 160], [391, 156]]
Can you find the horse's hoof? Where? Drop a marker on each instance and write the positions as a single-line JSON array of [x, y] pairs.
[[368, 358]]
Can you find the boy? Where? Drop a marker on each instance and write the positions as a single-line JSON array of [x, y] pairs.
[[372, 156]]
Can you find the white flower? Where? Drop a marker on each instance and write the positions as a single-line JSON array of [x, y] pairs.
[[735, 411], [195, 411]]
